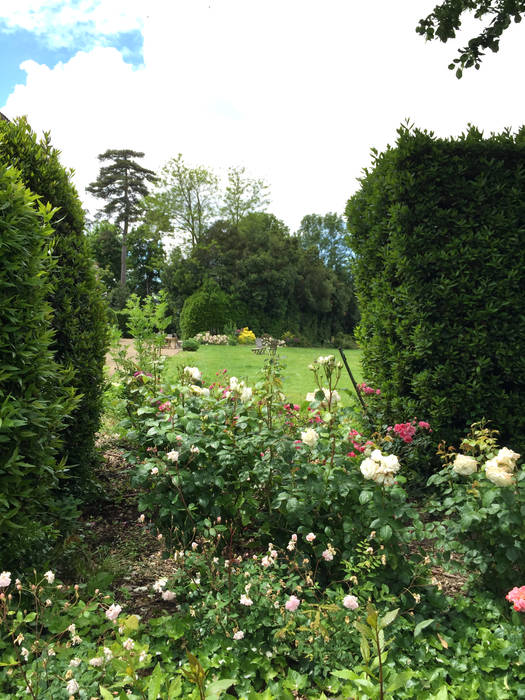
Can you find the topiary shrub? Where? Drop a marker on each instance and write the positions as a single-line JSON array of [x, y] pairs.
[[438, 229], [190, 345], [79, 318], [35, 395], [208, 309]]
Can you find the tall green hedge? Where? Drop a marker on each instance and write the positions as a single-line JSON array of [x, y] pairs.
[[79, 318], [209, 308], [438, 229], [35, 398]]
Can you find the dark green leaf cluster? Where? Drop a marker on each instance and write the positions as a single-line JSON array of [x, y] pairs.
[[274, 283], [79, 319], [207, 309], [122, 184], [438, 228], [36, 395], [445, 20]]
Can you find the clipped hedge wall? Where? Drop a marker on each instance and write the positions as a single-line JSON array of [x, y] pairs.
[[438, 229], [35, 398], [79, 318], [208, 309]]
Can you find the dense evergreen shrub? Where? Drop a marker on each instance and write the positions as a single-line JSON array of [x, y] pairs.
[[35, 397], [438, 228], [190, 345], [208, 309], [79, 317]]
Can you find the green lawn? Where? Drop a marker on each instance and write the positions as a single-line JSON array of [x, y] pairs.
[[241, 362]]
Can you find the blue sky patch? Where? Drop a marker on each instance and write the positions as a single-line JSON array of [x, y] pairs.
[[20, 45]]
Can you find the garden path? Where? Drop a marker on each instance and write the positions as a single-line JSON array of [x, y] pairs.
[[131, 352]]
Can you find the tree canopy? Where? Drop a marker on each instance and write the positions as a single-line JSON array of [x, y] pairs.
[[445, 20]]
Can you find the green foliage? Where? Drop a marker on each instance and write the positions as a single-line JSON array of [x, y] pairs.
[[274, 284], [190, 345], [186, 200], [445, 20], [208, 309], [481, 519], [145, 260], [104, 244], [79, 313], [437, 228], [241, 453], [36, 396], [242, 196]]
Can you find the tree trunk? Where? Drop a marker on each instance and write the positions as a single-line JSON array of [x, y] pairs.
[[124, 254]]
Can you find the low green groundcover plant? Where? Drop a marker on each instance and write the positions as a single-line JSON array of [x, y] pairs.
[[302, 563]]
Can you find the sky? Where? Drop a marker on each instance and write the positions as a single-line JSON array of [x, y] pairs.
[[298, 92]]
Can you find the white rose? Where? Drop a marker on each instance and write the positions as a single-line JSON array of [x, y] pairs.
[[465, 465], [498, 475], [234, 382], [390, 463], [368, 468], [246, 394], [376, 455], [507, 458], [309, 437], [194, 373], [384, 475], [72, 687], [173, 456], [311, 396]]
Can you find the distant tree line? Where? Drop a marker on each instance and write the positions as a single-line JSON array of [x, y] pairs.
[[187, 232]]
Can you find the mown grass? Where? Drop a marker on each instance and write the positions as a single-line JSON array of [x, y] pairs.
[[241, 362]]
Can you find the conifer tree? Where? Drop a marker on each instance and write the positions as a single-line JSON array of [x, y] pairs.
[[122, 184]]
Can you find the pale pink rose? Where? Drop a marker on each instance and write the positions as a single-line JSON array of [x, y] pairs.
[[245, 600], [310, 537], [168, 595], [292, 603], [72, 687], [155, 471], [238, 635], [294, 538], [113, 612], [350, 602], [96, 661], [327, 555], [49, 576], [5, 579], [128, 644]]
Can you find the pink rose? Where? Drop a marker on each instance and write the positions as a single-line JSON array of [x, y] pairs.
[[310, 537], [350, 602], [292, 603]]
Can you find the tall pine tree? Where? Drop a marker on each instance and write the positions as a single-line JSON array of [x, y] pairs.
[[122, 184]]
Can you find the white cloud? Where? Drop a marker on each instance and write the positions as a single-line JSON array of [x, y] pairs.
[[73, 23], [296, 91]]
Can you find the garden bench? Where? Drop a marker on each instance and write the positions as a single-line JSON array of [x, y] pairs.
[[259, 348], [171, 341]]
